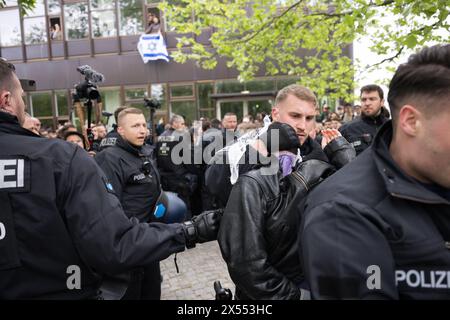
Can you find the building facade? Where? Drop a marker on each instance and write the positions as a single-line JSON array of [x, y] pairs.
[[48, 44]]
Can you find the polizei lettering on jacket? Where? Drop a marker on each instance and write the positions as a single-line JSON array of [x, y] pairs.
[[423, 279], [14, 174]]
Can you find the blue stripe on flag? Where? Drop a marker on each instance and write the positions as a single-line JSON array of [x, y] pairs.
[[151, 38]]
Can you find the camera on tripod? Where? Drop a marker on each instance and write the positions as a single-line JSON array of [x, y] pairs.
[[152, 103], [87, 89]]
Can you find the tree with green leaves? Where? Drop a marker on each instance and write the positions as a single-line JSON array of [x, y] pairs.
[[269, 35], [25, 5]]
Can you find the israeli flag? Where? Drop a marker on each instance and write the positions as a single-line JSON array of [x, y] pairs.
[[152, 47]]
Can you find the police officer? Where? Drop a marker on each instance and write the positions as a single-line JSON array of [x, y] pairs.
[[136, 183], [361, 131], [61, 225], [111, 137], [174, 154], [380, 227]]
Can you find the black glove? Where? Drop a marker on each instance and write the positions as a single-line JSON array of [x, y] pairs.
[[202, 228]]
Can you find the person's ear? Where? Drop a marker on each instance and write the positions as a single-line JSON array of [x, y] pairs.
[[275, 113], [120, 130], [5, 97], [410, 120]]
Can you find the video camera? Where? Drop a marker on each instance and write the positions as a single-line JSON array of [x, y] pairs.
[[152, 103], [87, 89]]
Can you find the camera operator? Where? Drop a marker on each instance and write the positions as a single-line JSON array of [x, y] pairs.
[[87, 91], [61, 225]]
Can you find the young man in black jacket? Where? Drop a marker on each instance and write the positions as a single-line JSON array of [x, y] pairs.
[[258, 232], [61, 225], [380, 227], [361, 131]]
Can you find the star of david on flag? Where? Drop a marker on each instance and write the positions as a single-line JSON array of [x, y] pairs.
[[152, 47]]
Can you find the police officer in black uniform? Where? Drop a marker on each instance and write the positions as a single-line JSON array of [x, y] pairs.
[[61, 224], [174, 154], [380, 227], [136, 183], [361, 131]]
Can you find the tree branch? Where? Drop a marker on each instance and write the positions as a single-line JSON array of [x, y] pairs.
[[268, 24]]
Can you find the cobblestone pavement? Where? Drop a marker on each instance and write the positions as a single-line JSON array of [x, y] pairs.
[[199, 268]]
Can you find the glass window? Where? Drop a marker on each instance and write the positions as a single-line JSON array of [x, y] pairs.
[[110, 101], [236, 107], [35, 30], [203, 92], [208, 113], [260, 85], [76, 20], [262, 106], [55, 28], [131, 17], [181, 91], [229, 86], [103, 18], [38, 10], [53, 7], [10, 28], [46, 123], [135, 93], [103, 24], [61, 103], [102, 4], [41, 104], [186, 109], [10, 3], [159, 93]]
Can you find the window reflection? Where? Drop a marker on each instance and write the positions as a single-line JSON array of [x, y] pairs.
[[10, 29], [35, 30], [76, 20], [53, 7], [103, 23], [130, 13]]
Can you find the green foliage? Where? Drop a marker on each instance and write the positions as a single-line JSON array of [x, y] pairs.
[[263, 34], [25, 5]]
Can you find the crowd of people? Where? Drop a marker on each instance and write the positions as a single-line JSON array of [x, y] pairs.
[[305, 204]]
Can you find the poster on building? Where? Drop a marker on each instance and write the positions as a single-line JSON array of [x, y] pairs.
[[152, 47]]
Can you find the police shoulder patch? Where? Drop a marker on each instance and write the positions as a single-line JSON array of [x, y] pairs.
[[108, 185]]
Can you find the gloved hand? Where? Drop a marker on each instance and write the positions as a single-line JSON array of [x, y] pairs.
[[284, 139], [202, 228]]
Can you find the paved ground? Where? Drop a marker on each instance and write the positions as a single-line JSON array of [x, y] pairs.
[[199, 268]]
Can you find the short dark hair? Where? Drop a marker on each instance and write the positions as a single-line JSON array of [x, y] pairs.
[[215, 123], [76, 133], [6, 74], [422, 82], [371, 88]]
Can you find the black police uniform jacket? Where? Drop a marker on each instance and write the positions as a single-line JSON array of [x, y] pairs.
[[132, 174], [58, 216], [371, 231], [259, 228], [361, 131]]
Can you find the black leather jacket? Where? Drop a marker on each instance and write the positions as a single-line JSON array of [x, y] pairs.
[[258, 232]]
